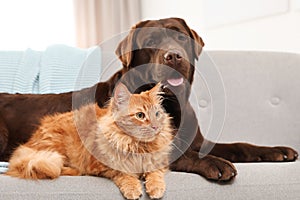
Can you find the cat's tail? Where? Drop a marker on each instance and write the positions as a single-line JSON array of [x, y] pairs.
[[29, 163]]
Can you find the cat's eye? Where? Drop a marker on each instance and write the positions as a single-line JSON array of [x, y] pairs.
[[157, 114], [140, 115]]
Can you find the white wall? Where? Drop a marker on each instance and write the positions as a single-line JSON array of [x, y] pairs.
[[236, 24], [36, 24]]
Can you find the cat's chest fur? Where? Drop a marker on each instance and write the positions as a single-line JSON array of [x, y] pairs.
[[122, 157], [116, 150]]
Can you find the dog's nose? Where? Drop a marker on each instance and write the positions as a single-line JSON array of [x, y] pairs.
[[172, 57]]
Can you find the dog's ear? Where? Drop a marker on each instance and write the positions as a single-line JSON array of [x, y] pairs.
[[198, 43], [125, 48]]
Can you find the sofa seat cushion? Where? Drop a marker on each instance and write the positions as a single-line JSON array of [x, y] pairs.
[[254, 181]]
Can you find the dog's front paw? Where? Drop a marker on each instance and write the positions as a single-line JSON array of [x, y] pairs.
[[277, 154], [215, 168]]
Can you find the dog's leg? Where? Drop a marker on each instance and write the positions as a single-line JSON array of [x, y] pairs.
[[243, 152], [3, 137], [185, 156], [210, 167]]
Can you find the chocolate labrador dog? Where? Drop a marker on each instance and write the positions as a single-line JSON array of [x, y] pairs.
[[154, 51]]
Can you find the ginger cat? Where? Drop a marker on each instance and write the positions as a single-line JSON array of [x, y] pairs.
[[129, 139]]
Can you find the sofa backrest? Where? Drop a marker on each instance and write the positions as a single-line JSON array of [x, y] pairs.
[[262, 92]]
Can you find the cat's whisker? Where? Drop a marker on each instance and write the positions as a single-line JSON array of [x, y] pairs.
[[171, 99], [182, 152], [182, 140], [163, 135]]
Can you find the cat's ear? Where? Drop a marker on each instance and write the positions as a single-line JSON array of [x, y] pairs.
[[121, 95], [156, 91]]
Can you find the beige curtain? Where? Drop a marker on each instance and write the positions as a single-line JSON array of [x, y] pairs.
[[98, 20]]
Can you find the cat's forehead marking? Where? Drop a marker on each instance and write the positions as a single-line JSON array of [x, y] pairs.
[[143, 99], [143, 103]]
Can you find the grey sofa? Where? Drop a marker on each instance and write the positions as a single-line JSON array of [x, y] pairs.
[[262, 92]]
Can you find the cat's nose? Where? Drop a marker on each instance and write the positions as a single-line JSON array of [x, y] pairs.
[[154, 127]]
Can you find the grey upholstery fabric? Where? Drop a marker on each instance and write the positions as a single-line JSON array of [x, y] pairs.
[[254, 181], [262, 90]]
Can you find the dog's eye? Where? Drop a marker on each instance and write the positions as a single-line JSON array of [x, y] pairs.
[[182, 38], [150, 43]]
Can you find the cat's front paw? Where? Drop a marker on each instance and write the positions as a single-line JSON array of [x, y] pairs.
[[132, 190], [155, 189], [131, 193]]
